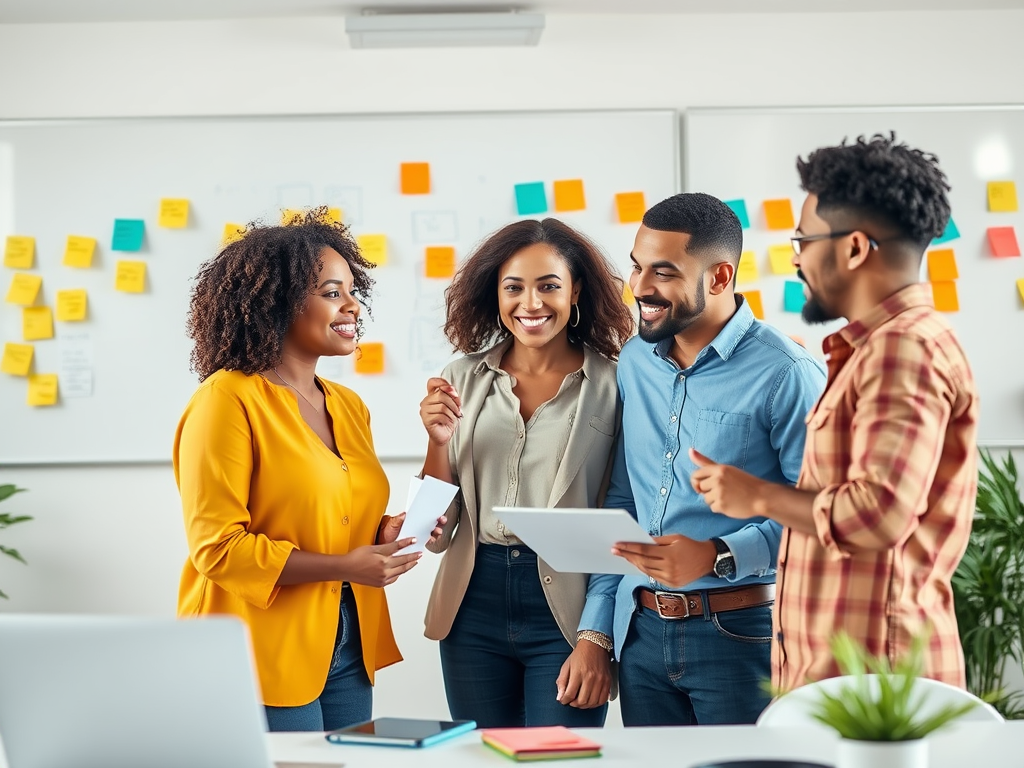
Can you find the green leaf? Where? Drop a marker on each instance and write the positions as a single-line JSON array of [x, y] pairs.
[[12, 553], [7, 491]]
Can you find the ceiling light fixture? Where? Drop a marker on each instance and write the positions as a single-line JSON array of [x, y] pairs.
[[438, 30]]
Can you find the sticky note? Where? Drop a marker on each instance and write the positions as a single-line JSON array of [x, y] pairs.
[[949, 233], [739, 207], [334, 215], [627, 295], [24, 288], [131, 277], [569, 195], [19, 252], [173, 213], [756, 305], [944, 294], [781, 259], [415, 178], [942, 265], [128, 235], [531, 199], [793, 297], [630, 207], [1002, 196], [231, 233], [1002, 241], [779, 214], [78, 251], [1020, 288], [42, 389], [71, 305], [746, 270], [291, 216], [36, 323], [17, 359], [370, 358], [440, 261], [374, 248]]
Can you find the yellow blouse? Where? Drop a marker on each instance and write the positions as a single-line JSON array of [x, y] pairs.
[[256, 482]]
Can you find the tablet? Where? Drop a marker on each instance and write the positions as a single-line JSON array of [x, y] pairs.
[[400, 732]]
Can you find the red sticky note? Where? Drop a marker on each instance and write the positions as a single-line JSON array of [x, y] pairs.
[[370, 358], [1003, 241], [942, 265], [569, 195], [440, 261], [415, 178], [756, 305], [779, 214], [944, 294]]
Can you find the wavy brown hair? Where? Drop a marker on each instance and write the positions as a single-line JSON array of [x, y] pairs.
[[246, 297], [471, 323]]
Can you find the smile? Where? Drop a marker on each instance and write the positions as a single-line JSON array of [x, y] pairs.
[[533, 322], [345, 330], [650, 312]]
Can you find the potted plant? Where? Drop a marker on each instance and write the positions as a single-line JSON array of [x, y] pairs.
[[6, 521]]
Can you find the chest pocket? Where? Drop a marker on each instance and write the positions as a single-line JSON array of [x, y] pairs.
[[723, 436]]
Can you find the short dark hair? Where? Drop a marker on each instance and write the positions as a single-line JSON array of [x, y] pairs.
[[714, 228], [245, 298], [883, 182], [471, 321]]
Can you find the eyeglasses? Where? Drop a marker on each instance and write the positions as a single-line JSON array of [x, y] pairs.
[[798, 241]]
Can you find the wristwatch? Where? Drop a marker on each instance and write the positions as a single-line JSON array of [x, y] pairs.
[[725, 563]]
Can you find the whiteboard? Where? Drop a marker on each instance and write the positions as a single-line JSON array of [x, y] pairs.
[[74, 177], [751, 154]]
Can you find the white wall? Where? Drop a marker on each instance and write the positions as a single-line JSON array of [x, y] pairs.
[[108, 539]]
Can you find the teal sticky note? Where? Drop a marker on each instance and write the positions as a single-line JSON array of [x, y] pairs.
[[794, 296], [128, 234], [530, 198], [951, 233], [739, 207]]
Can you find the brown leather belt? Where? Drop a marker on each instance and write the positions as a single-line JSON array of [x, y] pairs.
[[676, 605]]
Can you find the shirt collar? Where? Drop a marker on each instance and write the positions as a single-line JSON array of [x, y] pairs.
[[492, 358], [725, 342], [914, 295]]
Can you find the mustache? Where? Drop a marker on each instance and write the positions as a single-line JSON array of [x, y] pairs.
[[652, 301], [800, 274]]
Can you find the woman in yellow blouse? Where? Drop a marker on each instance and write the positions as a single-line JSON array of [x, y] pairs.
[[283, 496]]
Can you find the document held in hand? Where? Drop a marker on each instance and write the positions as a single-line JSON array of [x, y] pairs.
[[427, 500]]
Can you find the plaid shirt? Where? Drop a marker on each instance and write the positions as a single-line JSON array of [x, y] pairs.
[[891, 452]]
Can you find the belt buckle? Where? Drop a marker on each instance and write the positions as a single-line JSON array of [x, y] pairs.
[[677, 596]]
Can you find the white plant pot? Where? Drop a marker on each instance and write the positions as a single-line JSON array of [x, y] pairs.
[[882, 754]]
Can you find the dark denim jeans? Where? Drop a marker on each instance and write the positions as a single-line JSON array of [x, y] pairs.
[[347, 696], [703, 670], [504, 652]]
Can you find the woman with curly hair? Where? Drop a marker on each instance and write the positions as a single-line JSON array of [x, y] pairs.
[[282, 493], [530, 421]]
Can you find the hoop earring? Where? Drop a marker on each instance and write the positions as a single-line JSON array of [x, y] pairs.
[[501, 325], [578, 315]]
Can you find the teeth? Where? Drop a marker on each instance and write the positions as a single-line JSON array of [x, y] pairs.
[[647, 309], [532, 322], [344, 327]]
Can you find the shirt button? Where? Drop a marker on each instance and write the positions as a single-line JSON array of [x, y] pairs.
[[520, 435], [681, 377], [547, 579], [668, 455], [673, 419], [344, 520], [344, 466], [515, 553], [664, 491]]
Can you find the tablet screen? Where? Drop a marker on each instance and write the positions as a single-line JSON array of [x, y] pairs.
[[400, 731]]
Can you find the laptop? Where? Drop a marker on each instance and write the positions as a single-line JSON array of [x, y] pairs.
[[129, 692]]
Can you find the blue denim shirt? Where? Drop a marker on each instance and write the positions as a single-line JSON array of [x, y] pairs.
[[742, 402]]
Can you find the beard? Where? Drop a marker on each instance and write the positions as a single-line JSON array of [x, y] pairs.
[[676, 318], [814, 312]]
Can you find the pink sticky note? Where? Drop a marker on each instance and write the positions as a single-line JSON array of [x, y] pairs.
[[1003, 241]]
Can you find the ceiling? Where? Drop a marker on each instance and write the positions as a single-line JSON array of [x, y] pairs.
[[72, 11]]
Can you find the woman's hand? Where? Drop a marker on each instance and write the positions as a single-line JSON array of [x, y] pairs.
[[585, 681], [440, 411], [377, 565], [390, 526]]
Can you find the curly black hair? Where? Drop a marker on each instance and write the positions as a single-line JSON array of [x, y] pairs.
[[879, 181], [714, 228], [246, 297]]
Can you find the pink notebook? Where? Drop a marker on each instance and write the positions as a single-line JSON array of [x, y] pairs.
[[543, 743]]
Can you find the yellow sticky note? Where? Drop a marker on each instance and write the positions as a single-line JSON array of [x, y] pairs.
[[24, 288], [42, 389], [942, 265], [374, 248], [781, 258], [746, 270], [779, 214], [569, 195], [370, 358], [754, 301], [131, 276], [334, 215], [71, 305], [630, 207], [944, 294], [1020, 288], [36, 323], [232, 232], [627, 295], [1002, 196], [17, 359], [78, 251], [440, 261], [19, 252], [291, 216], [173, 213], [415, 178]]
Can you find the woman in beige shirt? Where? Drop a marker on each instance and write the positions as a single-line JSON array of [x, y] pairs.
[[529, 421]]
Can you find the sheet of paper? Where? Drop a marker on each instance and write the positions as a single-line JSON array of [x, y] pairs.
[[950, 233], [756, 305], [439, 261], [569, 195], [793, 298], [427, 500], [630, 207], [78, 251], [942, 265], [778, 214], [531, 198], [232, 232], [36, 323], [781, 259], [19, 252], [415, 178], [1002, 241], [42, 389], [746, 271], [128, 235], [944, 293], [17, 359], [173, 213], [131, 277], [72, 305], [1002, 196], [76, 365], [370, 358], [24, 288], [739, 207], [374, 248]]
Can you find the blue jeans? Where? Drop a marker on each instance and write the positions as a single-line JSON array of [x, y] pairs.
[[707, 670], [504, 652], [347, 696]]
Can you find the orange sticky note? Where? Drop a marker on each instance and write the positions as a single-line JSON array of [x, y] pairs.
[[781, 259], [440, 261], [756, 305], [942, 265], [173, 213], [627, 295], [36, 323], [746, 270], [71, 305], [131, 277], [42, 389], [24, 288], [374, 248], [944, 294], [232, 232], [19, 252], [569, 195], [370, 358], [415, 178], [779, 214], [17, 359], [630, 207], [1002, 241], [78, 251], [1002, 196]]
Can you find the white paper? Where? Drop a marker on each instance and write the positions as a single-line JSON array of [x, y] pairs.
[[427, 500], [76, 365]]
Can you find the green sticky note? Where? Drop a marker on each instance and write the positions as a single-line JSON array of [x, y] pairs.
[[530, 198], [951, 233], [128, 234], [794, 296], [739, 207]]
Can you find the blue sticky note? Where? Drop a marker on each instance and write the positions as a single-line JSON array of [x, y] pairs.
[[951, 233], [530, 198], [794, 296], [739, 207], [128, 234]]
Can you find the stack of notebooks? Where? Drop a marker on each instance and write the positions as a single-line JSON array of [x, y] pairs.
[[547, 743]]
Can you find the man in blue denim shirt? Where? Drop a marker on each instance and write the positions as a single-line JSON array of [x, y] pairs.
[[693, 638]]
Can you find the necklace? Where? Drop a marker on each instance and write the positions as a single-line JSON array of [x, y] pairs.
[[287, 384]]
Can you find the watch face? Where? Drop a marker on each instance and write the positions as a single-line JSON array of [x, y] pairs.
[[725, 565]]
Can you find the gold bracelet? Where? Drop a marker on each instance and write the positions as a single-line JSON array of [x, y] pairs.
[[597, 638]]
